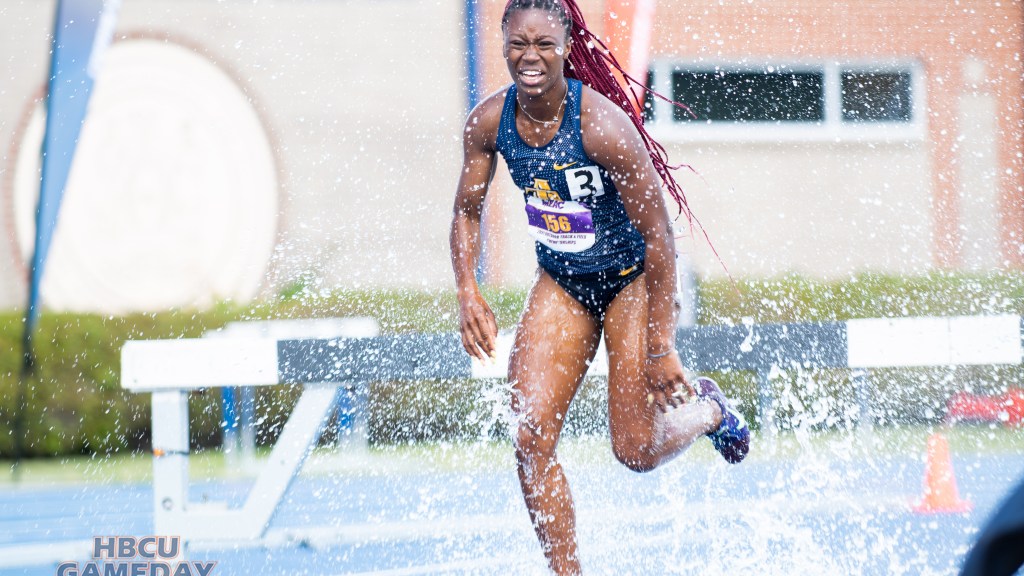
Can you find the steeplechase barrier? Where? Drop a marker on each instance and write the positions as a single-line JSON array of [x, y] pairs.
[[171, 369], [238, 403]]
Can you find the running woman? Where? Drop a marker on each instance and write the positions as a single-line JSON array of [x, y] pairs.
[[605, 248]]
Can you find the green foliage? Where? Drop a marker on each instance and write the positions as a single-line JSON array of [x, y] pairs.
[[76, 404], [74, 400], [795, 298], [402, 412]]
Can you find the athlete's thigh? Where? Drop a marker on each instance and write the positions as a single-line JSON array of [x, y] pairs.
[[555, 340], [625, 337]]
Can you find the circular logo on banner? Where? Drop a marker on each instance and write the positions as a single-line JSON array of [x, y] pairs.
[[172, 200]]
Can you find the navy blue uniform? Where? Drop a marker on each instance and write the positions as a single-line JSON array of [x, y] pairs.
[[584, 238]]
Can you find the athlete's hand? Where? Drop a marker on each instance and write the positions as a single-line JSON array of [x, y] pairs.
[[477, 326], [666, 383]]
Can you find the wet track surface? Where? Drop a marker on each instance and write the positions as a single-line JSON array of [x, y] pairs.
[[805, 515]]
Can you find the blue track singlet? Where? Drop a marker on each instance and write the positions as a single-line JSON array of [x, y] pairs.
[[574, 212]]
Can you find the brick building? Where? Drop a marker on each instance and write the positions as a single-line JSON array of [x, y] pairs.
[[828, 180]]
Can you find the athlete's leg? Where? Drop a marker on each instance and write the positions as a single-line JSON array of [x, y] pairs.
[[643, 436], [555, 340]]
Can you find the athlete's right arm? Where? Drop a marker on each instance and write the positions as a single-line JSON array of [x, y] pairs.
[[476, 320]]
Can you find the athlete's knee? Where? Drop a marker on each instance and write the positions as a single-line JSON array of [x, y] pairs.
[[533, 436], [638, 463], [533, 442], [636, 455]]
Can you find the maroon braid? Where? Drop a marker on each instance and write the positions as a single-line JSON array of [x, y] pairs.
[[591, 62]]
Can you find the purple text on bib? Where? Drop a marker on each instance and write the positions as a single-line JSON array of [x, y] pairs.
[[578, 221]]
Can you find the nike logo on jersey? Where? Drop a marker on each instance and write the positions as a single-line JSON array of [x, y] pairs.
[[564, 166], [627, 270]]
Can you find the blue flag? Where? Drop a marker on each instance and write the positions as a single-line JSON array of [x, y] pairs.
[[82, 31]]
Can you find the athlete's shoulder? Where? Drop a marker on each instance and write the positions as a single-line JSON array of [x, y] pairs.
[[486, 116], [597, 111], [608, 134]]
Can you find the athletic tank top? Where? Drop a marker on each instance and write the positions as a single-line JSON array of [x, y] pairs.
[[574, 212]]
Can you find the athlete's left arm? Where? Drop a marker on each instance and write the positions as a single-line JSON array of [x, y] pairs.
[[611, 139]]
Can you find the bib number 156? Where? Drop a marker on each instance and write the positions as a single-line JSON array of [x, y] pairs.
[[557, 223]]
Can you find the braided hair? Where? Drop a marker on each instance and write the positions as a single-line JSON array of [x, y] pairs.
[[591, 62]]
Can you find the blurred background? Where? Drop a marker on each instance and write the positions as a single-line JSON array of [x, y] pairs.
[[283, 159], [236, 148], [275, 160]]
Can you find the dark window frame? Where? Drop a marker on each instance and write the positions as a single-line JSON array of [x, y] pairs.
[[749, 96], [903, 118]]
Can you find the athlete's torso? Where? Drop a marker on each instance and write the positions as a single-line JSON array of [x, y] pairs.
[[574, 211]]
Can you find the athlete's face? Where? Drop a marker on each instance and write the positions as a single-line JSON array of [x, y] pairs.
[[535, 50]]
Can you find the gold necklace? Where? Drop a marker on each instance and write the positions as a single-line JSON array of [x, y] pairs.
[[557, 112]]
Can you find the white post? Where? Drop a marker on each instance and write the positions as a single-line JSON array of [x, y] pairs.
[[247, 427], [766, 402], [864, 391], [170, 457], [686, 295]]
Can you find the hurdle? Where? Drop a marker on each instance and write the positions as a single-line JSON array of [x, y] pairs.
[[239, 413], [170, 369]]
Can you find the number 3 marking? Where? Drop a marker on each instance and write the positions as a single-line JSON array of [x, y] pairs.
[[584, 181]]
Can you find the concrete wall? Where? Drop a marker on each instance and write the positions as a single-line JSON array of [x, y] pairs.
[[363, 99], [820, 209]]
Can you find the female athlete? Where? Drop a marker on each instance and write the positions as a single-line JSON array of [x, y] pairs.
[[606, 255]]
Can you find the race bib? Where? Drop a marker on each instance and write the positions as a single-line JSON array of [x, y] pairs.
[[562, 226], [584, 182]]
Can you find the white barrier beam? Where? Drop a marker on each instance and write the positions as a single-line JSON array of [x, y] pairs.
[[908, 342], [186, 364]]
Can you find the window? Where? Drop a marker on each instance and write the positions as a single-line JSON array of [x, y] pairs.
[[876, 96], [796, 102], [748, 96]]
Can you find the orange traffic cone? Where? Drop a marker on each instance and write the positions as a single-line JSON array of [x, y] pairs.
[[940, 492]]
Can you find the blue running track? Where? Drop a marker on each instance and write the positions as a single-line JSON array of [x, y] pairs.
[[809, 515]]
